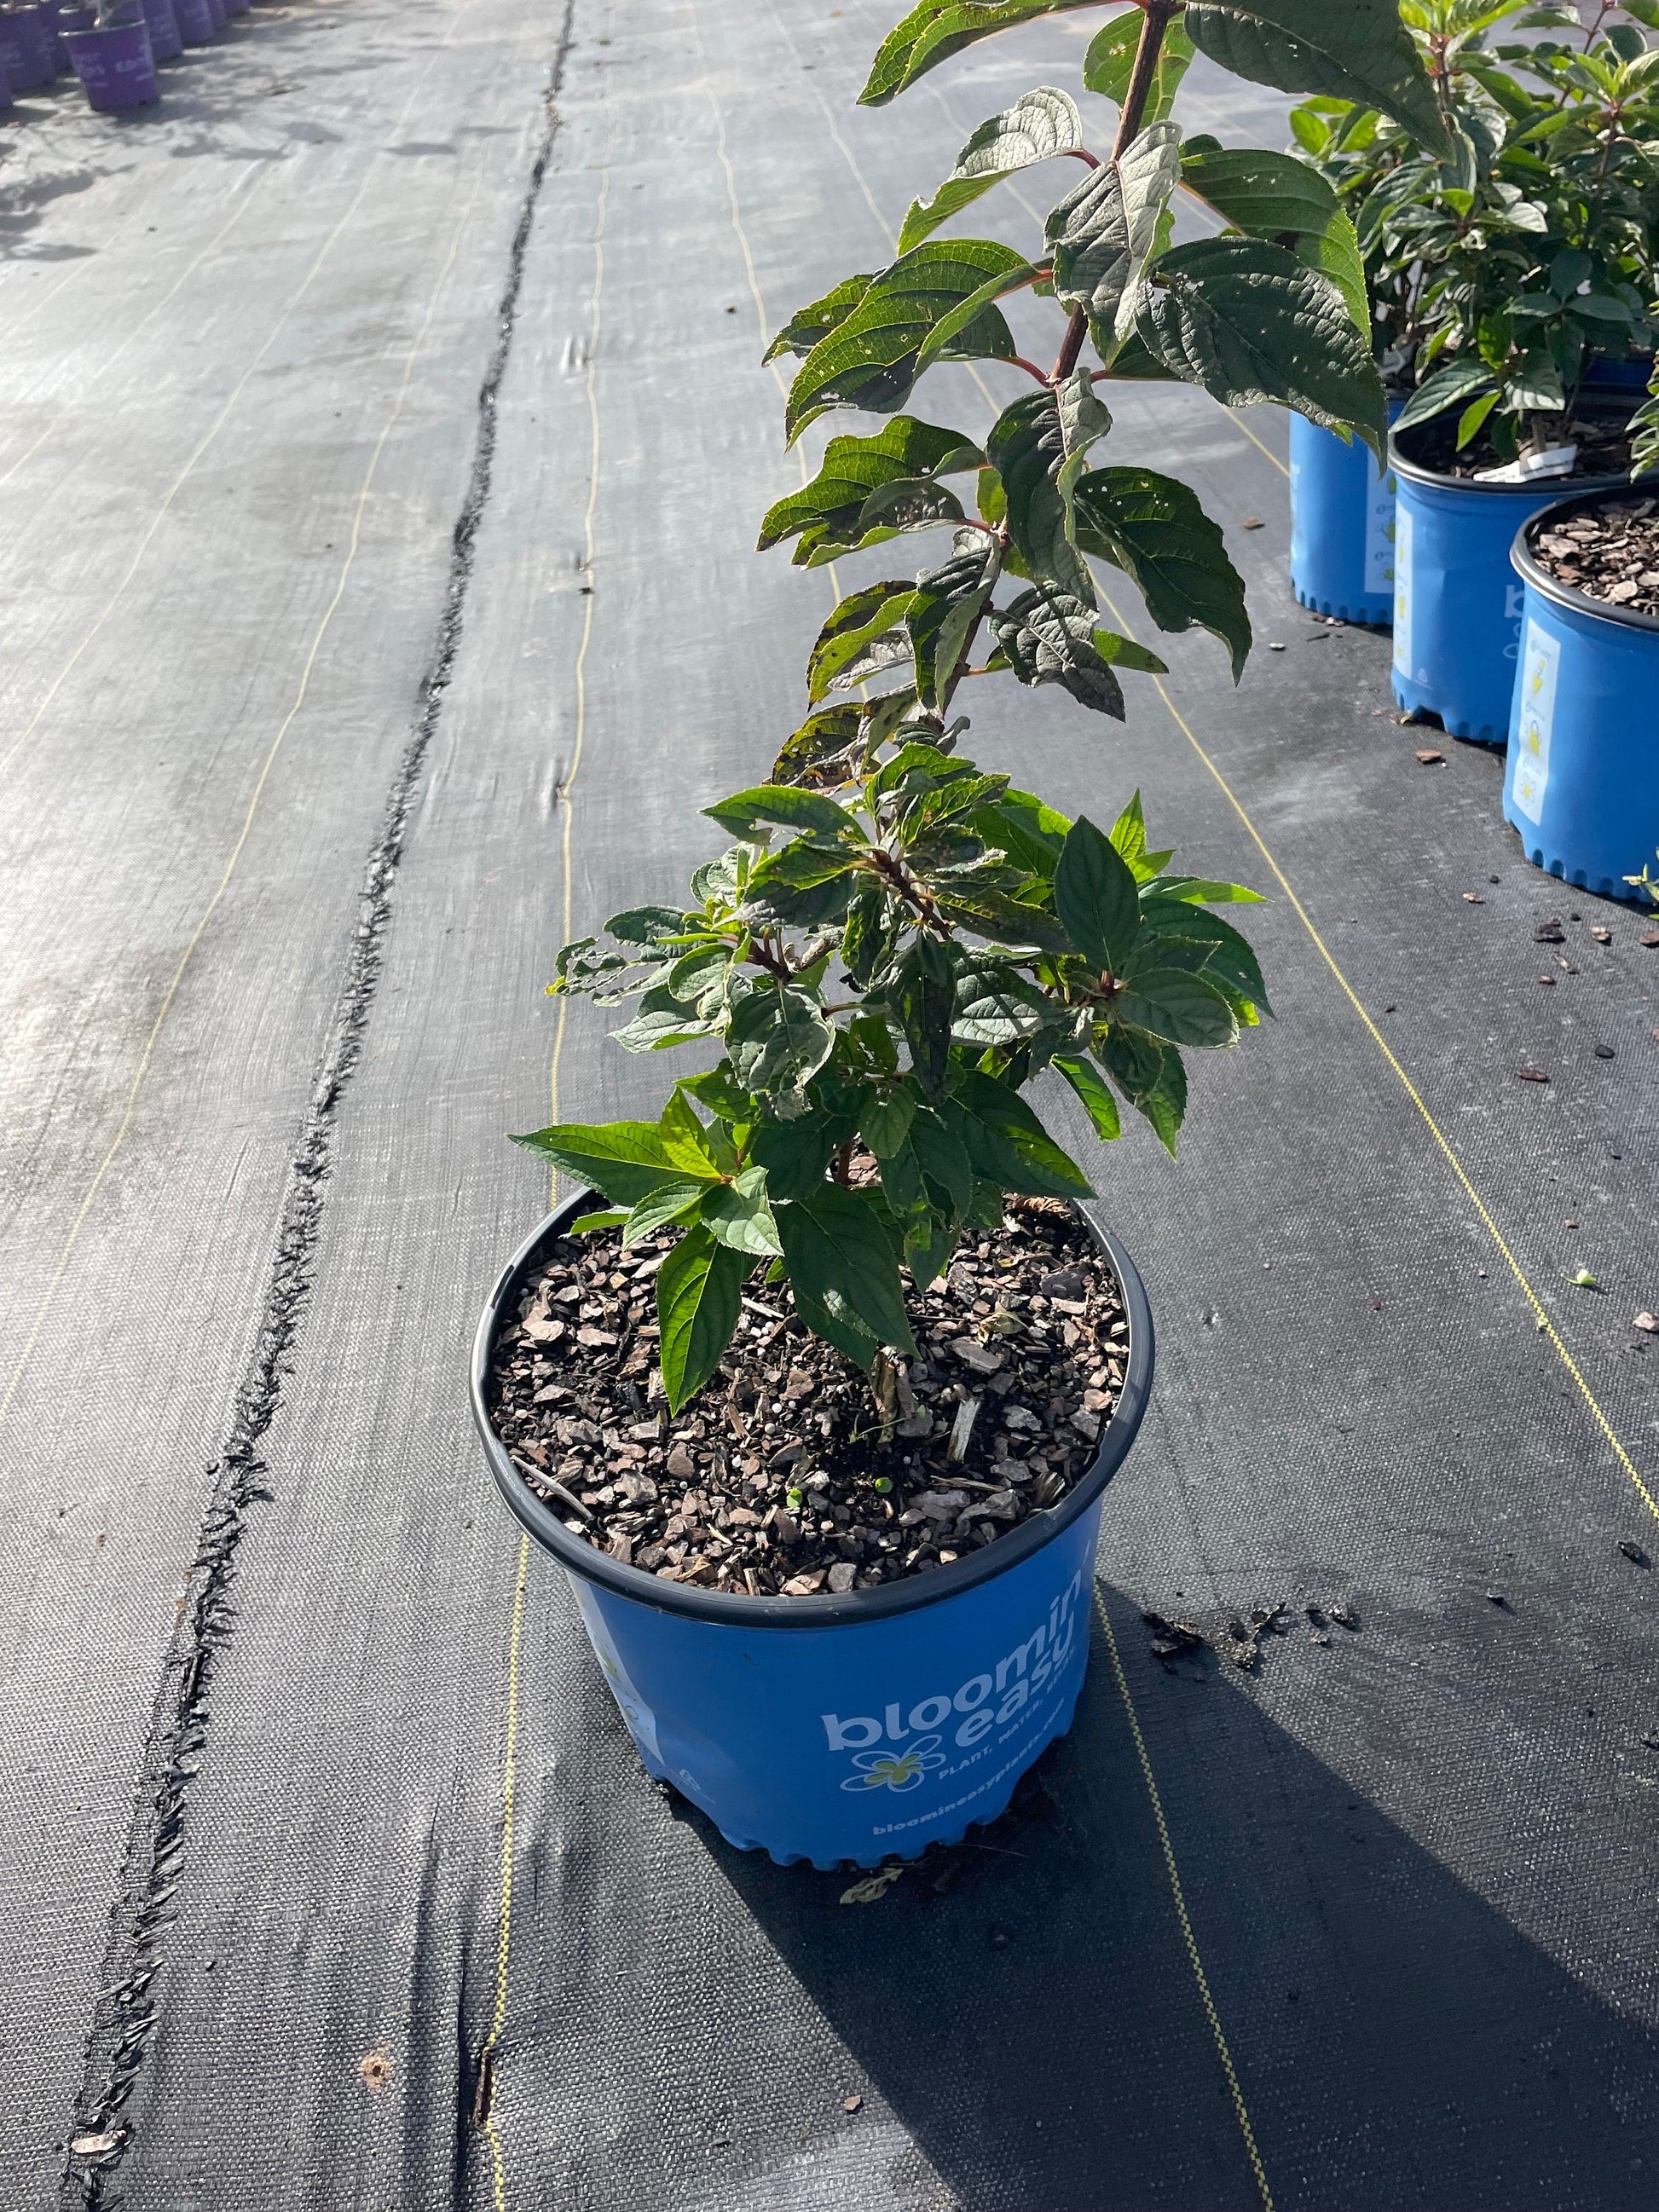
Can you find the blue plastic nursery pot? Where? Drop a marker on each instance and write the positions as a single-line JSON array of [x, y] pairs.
[[26, 53], [195, 21], [1341, 525], [1456, 602], [1582, 780], [860, 1725], [5, 87], [165, 42]]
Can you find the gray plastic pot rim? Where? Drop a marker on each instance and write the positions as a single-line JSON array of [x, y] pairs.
[[1533, 573], [843, 1609]]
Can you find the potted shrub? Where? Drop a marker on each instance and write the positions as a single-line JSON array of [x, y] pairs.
[[113, 59], [815, 1389], [1582, 780]]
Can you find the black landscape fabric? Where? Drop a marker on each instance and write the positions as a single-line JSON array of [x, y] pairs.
[[1369, 1922]]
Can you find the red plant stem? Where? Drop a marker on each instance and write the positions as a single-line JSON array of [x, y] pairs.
[[1156, 17]]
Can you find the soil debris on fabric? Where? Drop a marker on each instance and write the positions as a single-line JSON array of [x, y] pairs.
[[783, 1475], [1239, 1638], [1609, 552], [1633, 1552]]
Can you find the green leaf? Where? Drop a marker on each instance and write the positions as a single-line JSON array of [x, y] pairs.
[[944, 1161], [1098, 897], [1274, 196], [1153, 528], [1247, 322], [1359, 50], [1049, 637], [667, 1203], [1165, 1104], [795, 1155], [661, 1023], [625, 1160], [886, 1117], [1027, 449], [1099, 1101], [1180, 1007], [942, 613], [803, 329], [1040, 124], [611, 1217], [804, 886], [685, 1140], [778, 1038], [923, 996], [1460, 380], [739, 1213], [1201, 890], [933, 302], [699, 1288], [646, 925], [1127, 838], [1008, 1145], [816, 753], [994, 914], [862, 620], [833, 514], [782, 803], [1104, 231], [1469, 422], [936, 29], [1109, 62], [1029, 831], [840, 1261]]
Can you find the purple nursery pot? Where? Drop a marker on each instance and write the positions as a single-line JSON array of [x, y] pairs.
[[216, 10], [5, 87], [195, 21], [60, 20], [115, 66], [26, 52], [165, 42]]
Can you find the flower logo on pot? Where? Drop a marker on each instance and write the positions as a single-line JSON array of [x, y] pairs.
[[883, 1770]]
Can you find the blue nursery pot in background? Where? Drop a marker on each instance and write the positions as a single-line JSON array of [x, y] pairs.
[[1582, 780], [859, 1726], [1341, 525]]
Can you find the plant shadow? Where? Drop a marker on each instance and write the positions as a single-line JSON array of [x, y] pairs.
[[1027, 2008]]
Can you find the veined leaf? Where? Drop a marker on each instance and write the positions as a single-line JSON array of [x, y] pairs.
[[1248, 322], [1027, 449], [993, 913], [943, 1163], [1179, 1006], [1040, 124], [862, 617], [778, 1038], [816, 753], [1203, 890], [1274, 196], [1098, 1100], [1153, 528], [1109, 62], [1049, 637], [1029, 831], [1007, 1144], [739, 1213], [884, 1118], [933, 302], [625, 1160], [922, 996], [840, 1261], [1359, 50], [936, 29], [1097, 896], [661, 1022], [808, 324], [942, 612], [664, 1204], [1460, 380], [699, 1151], [1127, 838], [830, 514], [646, 925], [784, 803], [1104, 231], [795, 1155], [699, 1288]]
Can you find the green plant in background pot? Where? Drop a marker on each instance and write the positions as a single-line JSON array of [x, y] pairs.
[[897, 942]]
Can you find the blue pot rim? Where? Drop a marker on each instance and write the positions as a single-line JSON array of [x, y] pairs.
[[1533, 573], [833, 1610]]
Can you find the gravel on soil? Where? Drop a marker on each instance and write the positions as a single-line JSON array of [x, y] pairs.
[[785, 1475]]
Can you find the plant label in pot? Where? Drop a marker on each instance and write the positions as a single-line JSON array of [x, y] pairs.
[[817, 1397]]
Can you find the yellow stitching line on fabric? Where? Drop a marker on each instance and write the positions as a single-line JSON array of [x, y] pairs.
[[241, 208], [207, 912], [220, 420], [504, 1941], [1191, 1941], [1546, 1326], [1241, 2112]]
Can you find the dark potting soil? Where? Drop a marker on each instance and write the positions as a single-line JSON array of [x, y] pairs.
[[782, 1475], [1610, 551], [1603, 450]]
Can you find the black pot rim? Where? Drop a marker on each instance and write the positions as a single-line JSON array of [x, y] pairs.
[[1414, 473], [1531, 571], [833, 1609]]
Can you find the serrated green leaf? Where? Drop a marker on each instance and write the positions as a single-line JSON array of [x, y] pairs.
[[1153, 528], [841, 1261], [830, 516], [1040, 124], [1109, 62], [787, 804], [1165, 1104], [943, 1162], [942, 612], [935, 302], [685, 1140], [1178, 1007], [610, 1217], [1203, 890], [1048, 637], [664, 1204], [989, 913], [1030, 832], [936, 29], [809, 323], [661, 1023], [739, 1213], [1098, 1101], [862, 618], [1127, 838], [1027, 449], [699, 1290], [886, 1117], [1105, 229], [922, 997], [1248, 322], [795, 1155], [625, 1160], [1097, 896], [1008, 1145], [1359, 51], [645, 924], [1274, 196], [816, 753], [778, 1039], [1459, 380]]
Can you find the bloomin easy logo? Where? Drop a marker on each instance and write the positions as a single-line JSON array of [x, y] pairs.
[[993, 1698], [883, 1770]]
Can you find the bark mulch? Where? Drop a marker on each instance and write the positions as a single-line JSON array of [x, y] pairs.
[[784, 1473], [1608, 552]]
